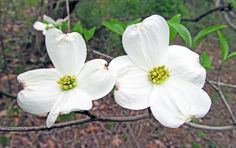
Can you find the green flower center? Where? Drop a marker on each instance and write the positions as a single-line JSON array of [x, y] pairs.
[[158, 74], [49, 26], [67, 82]]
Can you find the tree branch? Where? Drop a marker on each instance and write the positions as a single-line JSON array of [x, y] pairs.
[[75, 122], [7, 95], [207, 127], [227, 7], [107, 119]]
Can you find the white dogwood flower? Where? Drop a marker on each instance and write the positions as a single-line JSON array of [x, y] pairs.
[[168, 79], [48, 24], [71, 85]]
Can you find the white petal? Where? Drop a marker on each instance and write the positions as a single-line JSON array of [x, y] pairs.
[[67, 51], [184, 64], [133, 86], [95, 79], [146, 43], [71, 100], [39, 26], [40, 90], [44, 32], [77, 99], [175, 102], [48, 19], [55, 110], [59, 21]]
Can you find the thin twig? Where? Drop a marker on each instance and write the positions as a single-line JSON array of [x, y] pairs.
[[212, 128], [102, 54], [226, 15], [137, 145], [222, 96], [223, 84], [218, 8], [68, 14], [7, 95]]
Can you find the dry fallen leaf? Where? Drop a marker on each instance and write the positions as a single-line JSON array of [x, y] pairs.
[[116, 141]]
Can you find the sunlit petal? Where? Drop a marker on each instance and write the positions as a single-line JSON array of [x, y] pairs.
[[146, 43], [184, 65], [67, 51], [40, 90]]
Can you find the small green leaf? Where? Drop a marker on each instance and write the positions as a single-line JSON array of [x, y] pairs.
[[115, 26], [175, 18], [135, 21], [88, 33], [78, 27], [224, 46], [205, 60], [182, 31], [173, 32], [204, 32], [63, 25], [32, 3], [66, 117], [232, 55], [196, 145]]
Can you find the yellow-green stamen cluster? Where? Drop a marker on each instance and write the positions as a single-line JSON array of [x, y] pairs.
[[67, 82], [158, 74]]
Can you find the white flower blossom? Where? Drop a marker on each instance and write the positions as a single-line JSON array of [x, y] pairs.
[[168, 79], [48, 24], [71, 85]]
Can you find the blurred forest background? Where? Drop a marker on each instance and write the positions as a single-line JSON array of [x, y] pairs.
[[23, 49]]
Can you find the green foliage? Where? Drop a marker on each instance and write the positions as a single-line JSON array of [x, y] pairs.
[[212, 145], [63, 25], [100, 10], [205, 60], [125, 137], [232, 3], [182, 31], [32, 3], [19, 69], [4, 140], [201, 134], [173, 32], [195, 145], [134, 21], [66, 117], [13, 110], [109, 125], [204, 32], [117, 26], [232, 55], [223, 45], [87, 33], [195, 120], [214, 97], [78, 27]]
